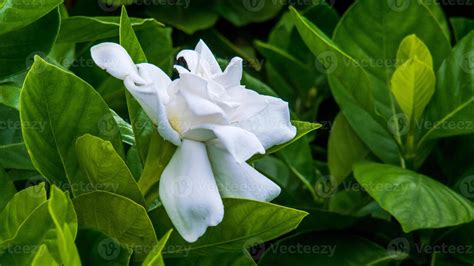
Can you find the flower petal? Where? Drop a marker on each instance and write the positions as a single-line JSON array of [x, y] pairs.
[[272, 125], [232, 74], [189, 192], [114, 59], [207, 56], [240, 143], [152, 97], [240, 180]]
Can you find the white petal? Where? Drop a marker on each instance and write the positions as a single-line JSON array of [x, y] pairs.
[[207, 55], [192, 59], [114, 59], [240, 143], [240, 180], [152, 98], [232, 74], [271, 125], [189, 192]]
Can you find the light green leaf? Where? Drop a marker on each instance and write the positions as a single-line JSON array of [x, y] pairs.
[[126, 130], [415, 200], [18, 209], [105, 169], [64, 217], [46, 99], [16, 14], [19, 47], [155, 258], [448, 115], [413, 85], [411, 47], [43, 257], [344, 149], [327, 249], [130, 225], [245, 223]]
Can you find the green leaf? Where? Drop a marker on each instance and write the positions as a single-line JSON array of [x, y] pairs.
[[46, 98], [188, 16], [448, 115], [130, 227], [155, 258], [461, 27], [55, 226], [244, 12], [7, 189], [10, 95], [142, 125], [327, 249], [229, 259], [17, 14], [344, 149], [85, 29], [18, 209], [343, 72], [245, 222], [15, 156], [96, 248], [411, 47], [105, 169], [413, 85], [64, 217], [126, 130], [20, 46], [43, 257], [415, 200]]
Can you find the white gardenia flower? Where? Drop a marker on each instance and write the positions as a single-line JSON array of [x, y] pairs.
[[217, 125]]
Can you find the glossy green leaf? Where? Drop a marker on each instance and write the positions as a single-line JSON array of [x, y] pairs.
[[126, 130], [96, 248], [43, 257], [343, 72], [461, 27], [15, 156], [413, 85], [245, 222], [415, 200], [155, 258], [412, 47], [20, 46], [17, 14], [51, 148], [105, 169], [344, 149], [327, 249], [448, 115], [118, 217]]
